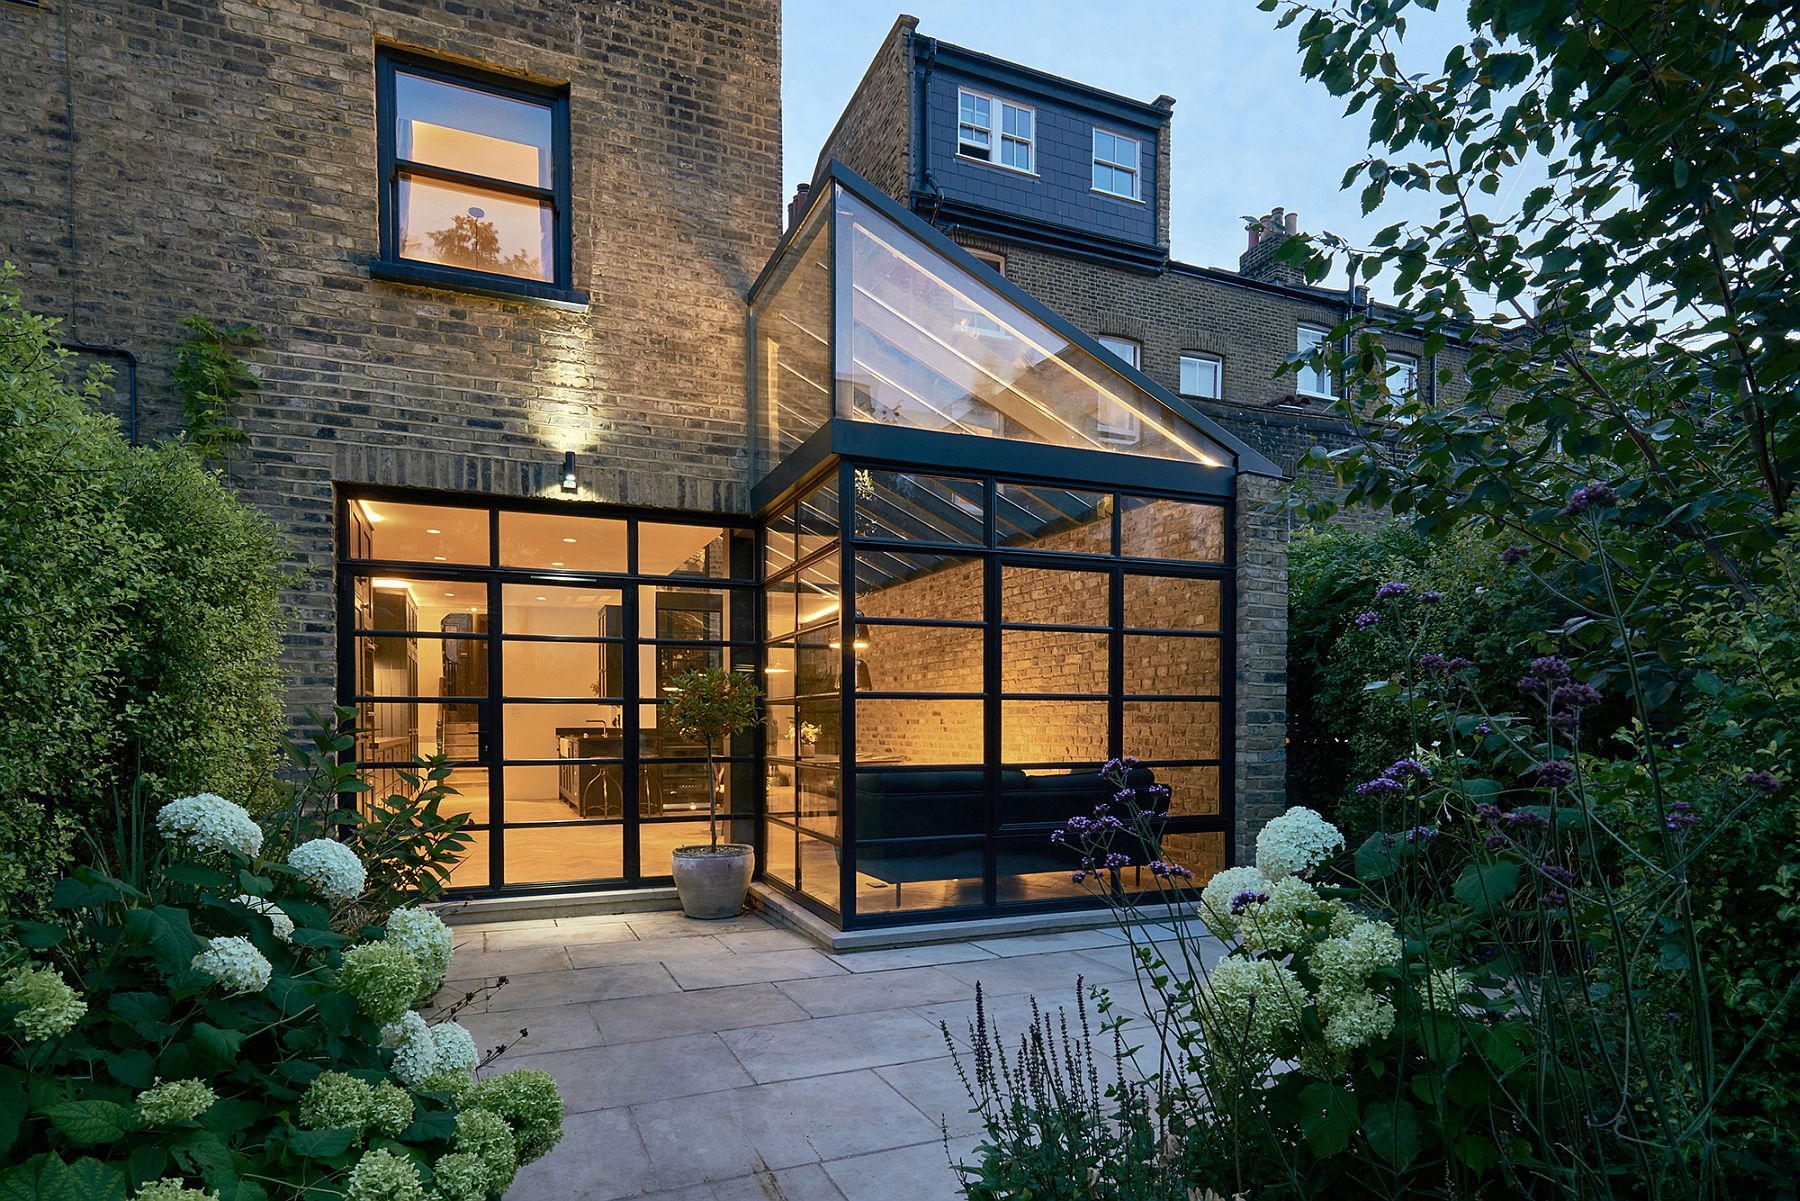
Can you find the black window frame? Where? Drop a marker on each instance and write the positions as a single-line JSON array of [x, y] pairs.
[[389, 265]]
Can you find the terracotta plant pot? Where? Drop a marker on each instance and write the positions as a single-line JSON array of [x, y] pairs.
[[712, 880]]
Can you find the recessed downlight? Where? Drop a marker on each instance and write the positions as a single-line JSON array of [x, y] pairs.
[[568, 539], [434, 531]]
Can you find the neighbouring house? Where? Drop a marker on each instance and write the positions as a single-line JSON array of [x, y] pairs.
[[552, 412]]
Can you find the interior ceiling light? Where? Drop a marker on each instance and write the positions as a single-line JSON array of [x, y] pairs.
[[568, 539], [441, 558], [434, 531]]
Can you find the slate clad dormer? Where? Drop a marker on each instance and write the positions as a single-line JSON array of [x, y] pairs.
[[1007, 150]]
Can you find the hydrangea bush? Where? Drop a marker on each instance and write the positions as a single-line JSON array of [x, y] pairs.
[[220, 1029]]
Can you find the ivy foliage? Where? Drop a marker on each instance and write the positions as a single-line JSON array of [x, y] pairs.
[[139, 618]]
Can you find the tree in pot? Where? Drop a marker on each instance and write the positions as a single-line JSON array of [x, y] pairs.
[[713, 705]]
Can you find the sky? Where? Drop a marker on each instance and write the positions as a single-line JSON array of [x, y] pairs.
[[1249, 132]]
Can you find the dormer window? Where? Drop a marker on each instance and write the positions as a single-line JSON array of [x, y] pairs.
[[1012, 144], [1116, 165]]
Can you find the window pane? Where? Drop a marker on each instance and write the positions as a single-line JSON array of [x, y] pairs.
[[1200, 376], [818, 794], [475, 228], [684, 550], [819, 870], [1172, 729], [902, 803], [403, 732], [690, 614], [915, 876], [927, 731], [468, 129], [1042, 596], [563, 612], [395, 665], [1037, 870], [439, 606], [1052, 661], [471, 871], [561, 791], [817, 586], [778, 543], [1201, 853], [780, 853], [1193, 791], [1171, 603], [563, 731], [1051, 796], [382, 529], [818, 518], [1053, 731], [793, 347], [918, 585], [557, 541], [818, 729], [918, 360], [1032, 517], [918, 508], [1171, 665], [469, 785], [680, 790], [552, 854], [1172, 529], [920, 659], [583, 670]]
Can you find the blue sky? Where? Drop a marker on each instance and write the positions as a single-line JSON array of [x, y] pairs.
[[1249, 132]]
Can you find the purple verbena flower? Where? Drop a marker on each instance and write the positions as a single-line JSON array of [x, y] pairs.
[[1512, 556], [1378, 785], [1495, 841], [1565, 720], [1163, 870], [1763, 781], [1525, 819], [1595, 495], [1421, 834], [1550, 667], [1117, 859], [1408, 767], [1483, 728], [1558, 872], [1554, 773], [1392, 588], [1555, 899], [1487, 812], [1117, 771], [1366, 619], [1431, 598], [1243, 898], [1575, 696], [1531, 686], [1681, 815], [1078, 877]]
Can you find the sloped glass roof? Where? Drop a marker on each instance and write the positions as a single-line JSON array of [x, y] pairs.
[[924, 342]]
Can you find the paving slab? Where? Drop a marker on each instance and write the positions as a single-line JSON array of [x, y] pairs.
[[544, 989], [827, 1045], [867, 991], [631, 1073], [936, 1091], [918, 1173], [717, 971], [808, 1182], [637, 1019], [600, 1158], [925, 956]]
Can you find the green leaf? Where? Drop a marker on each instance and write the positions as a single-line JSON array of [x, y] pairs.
[[219, 1046], [1392, 1128], [1378, 857], [165, 932], [147, 1012], [1484, 887], [1477, 1151], [48, 1178], [321, 1144], [1327, 1117], [13, 1106], [91, 1121]]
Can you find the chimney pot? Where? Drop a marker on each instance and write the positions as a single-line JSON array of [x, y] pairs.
[[1293, 222], [797, 206]]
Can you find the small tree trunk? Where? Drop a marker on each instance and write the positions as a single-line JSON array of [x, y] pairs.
[[712, 797]]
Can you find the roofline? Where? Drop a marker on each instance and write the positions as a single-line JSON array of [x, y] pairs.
[[1249, 460], [1325, 297], [911, 24], [1125, 108]]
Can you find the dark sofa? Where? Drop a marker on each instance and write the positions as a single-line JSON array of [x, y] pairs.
[[948, 804]]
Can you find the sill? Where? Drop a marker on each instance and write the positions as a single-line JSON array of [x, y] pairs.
[[1197, 396], [969, 158], [479, 283], [1116, 196]]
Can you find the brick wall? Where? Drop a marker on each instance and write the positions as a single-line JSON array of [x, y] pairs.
[[874, 136], [222, 162], [1261, 727]]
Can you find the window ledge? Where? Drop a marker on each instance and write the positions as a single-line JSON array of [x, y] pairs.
[[455, 279]]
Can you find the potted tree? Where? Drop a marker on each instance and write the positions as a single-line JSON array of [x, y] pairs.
[[713, 705]]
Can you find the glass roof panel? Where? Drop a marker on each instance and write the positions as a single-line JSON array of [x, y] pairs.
[[793, 345], [930, 345]]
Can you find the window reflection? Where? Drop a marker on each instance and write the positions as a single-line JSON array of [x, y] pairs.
[[793, 345]]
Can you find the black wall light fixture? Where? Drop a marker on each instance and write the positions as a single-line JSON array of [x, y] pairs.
[[568, 472]]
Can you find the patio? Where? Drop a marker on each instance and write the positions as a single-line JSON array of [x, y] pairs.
[[734, 1061]]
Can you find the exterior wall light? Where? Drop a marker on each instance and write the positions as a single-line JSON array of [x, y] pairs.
[[568, 474]]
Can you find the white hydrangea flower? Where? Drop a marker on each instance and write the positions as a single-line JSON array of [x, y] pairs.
[[455, 1047], [1250, 1008], [236, 963], [424, 936], [284, 925], [1215, 898], [1345, 963], [1280, 923], [1442, 991], [211, 825], [1295, 843], [1356, 1019], [331, 867], [415, 1050]]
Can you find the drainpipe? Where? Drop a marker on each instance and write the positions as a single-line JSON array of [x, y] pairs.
[[927, 183], [131, 383]]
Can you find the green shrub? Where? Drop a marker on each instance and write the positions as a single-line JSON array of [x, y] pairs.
[[167, 1033], [139, 623], [1340, 732]]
